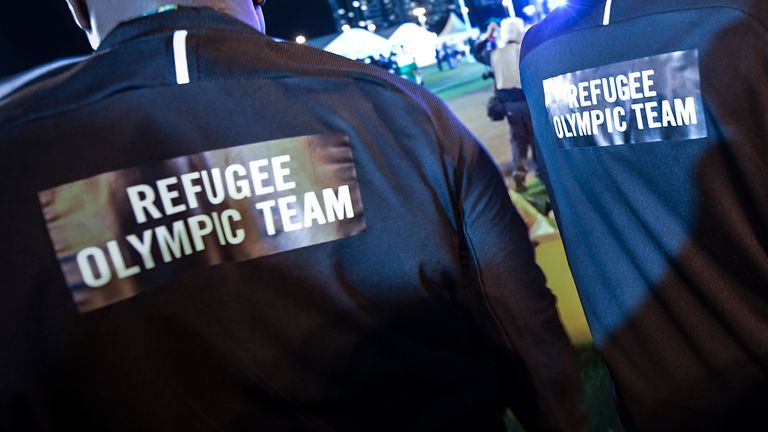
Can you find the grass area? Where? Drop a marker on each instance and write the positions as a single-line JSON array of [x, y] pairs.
[[595, 378], [601, 415], [452, 83]]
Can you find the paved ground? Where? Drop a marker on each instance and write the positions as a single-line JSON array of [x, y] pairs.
[[470, 108], [466, 93]]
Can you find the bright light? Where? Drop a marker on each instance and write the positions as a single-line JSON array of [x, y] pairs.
[[510, 7], [355, 3], [553, 4], [300, 39], [465, 10], [372, 27], [529, 10], [362, 23], [419, 11], [422, 19], [345, 27]]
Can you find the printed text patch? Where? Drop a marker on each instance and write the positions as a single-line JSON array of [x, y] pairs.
[[638, 101], [123, 232]]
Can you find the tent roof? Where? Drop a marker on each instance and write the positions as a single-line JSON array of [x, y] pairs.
[[409, 32], [358, 43], [454, 25]]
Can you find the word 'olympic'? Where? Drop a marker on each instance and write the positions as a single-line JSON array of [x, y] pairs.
[[100, 265]]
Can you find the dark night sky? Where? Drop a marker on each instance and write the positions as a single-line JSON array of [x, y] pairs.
[[33, 32], [288, 18]]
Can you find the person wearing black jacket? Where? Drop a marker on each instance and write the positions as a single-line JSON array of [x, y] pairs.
[[204, 229], [652, 124]]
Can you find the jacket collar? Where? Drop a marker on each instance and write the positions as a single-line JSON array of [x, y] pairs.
[[183, 18]]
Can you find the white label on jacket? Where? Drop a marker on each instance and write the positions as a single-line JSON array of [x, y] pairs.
[[637, 101], [124, 232]]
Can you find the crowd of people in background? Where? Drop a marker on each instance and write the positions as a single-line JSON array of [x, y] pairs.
[[399, 62], [448, 54], [498, 48]]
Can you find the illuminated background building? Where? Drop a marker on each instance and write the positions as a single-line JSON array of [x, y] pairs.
[[388, 13], [391, 13]]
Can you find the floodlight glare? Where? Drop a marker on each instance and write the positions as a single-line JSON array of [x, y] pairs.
[[529, 10]]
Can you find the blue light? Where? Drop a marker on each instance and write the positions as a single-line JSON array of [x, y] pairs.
[[554, 4]]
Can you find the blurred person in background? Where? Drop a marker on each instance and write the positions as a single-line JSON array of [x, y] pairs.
[[503, 56]]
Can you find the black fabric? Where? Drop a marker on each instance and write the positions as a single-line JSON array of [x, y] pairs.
[[434, 318], [510, 95], [520, 137], [495, 108], [667, 240]]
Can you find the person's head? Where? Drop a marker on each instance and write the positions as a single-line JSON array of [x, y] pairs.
[[511, 30], [99, 17]]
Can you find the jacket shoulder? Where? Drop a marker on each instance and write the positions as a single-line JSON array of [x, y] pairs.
[[16, 83], [590, 13]]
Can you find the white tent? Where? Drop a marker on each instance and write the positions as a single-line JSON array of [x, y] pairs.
[[452, 26], [416, 41], [455, 31], [357, 43]]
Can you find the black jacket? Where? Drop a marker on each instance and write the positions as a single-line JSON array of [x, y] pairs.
[[410, 302], [662, 195]]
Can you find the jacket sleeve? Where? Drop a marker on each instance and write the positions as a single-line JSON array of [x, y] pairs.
[[509, 299]]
